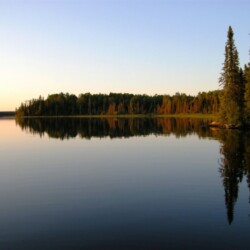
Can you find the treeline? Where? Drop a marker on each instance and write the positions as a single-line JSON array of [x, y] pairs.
[[120, 104], [7, 113]]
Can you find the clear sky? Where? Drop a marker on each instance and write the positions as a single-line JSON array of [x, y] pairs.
[[102, 46]]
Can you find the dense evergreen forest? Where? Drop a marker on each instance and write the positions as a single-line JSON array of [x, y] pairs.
[[232, 103], [120, 104]]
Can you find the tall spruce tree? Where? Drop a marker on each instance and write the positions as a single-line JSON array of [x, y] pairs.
[[231, 109]]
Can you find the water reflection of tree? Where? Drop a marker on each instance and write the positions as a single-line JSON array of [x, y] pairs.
[[64, 128], [234, 164], [247, 157], [235, 144]]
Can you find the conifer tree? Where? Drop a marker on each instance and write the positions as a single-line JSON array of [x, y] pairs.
[[231, 110]]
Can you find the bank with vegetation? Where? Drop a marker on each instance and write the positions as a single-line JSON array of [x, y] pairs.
[[231, 104], [120, 104]]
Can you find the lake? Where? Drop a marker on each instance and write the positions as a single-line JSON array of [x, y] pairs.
[[123, 184]]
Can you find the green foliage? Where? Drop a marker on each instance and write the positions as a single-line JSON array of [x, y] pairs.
[[231, 109], [232, 103], [120, 104]]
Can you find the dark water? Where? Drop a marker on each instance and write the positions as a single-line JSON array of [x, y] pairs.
[[123, 184]]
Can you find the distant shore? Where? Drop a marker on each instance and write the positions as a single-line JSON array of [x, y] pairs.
[[7, 114]]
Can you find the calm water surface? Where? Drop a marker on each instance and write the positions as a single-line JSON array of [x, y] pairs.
[[123, 184]]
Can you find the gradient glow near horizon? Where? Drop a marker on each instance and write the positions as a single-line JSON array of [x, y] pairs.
[[103, 46]]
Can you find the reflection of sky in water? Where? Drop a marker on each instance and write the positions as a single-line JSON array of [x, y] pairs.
[[137, 192]]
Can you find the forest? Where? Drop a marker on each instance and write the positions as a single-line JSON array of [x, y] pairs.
[[231, 104], [120, 104]]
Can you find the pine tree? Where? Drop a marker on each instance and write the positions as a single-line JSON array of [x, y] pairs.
[[231, 110]]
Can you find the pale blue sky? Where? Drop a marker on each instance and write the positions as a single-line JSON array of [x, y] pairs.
[[102, 46]]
